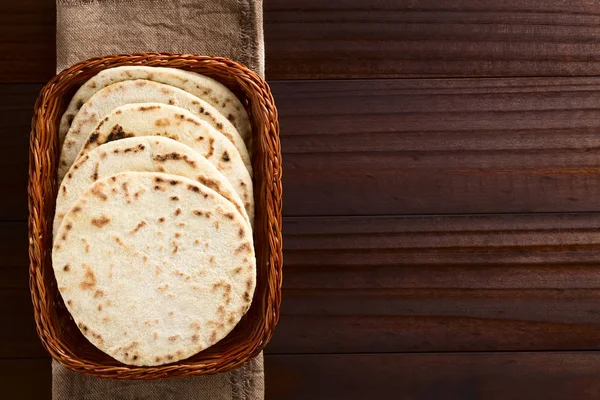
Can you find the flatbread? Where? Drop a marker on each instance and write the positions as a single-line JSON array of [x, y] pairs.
[[142, 154], [153, 119], [149, 280], [208, 89], [139, 91]]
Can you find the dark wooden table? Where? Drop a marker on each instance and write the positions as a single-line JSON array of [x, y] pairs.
[[442, 198]]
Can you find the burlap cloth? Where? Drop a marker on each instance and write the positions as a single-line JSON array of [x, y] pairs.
[[229, 28]]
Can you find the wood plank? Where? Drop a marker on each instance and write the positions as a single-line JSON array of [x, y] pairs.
[[482, 376], [440, 146], [16, 110], [425, 38], [371, 39], [26, 379], [440, 283], [27, 40], [399, 284]]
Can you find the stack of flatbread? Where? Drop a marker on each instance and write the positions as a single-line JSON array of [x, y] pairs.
[[153, 250]]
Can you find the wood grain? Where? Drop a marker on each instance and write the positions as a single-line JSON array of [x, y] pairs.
[[426, 38], [27, 40], [371, 39], [482, 376], [440, 146]]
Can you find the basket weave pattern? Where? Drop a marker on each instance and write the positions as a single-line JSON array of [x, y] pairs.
[[59, 334]]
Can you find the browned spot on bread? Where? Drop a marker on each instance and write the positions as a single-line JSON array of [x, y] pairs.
[[69, 175], [211, 259], [230, 117], [163, 288], [199, 138], [98, 294], [83, 327], [231, 320], [195, 326], [94, 137], [197, 213], [137, 194], [70, 302], [139, 226], [243, 248], [219, 126], [175, 247], [119, 241], [181, 224], [177, 234], [195, 337], [157, 270], [221, 310], [174, 156], [208, 183], [86, 244], [246, 296], [211, 149], [113, 178], [89, 279], [97, 191], [76, 209], [173, 338], [162, 122], [66, 268], [64, 190], [216, 224], [171, 313], [100, 221], [161, 219], [213, 336], [117, 133], [196, 242], [99, 307], [95, 172], [242, 183], [248, 284], [237, 270], [177, 212], [193, 188], [145, 258], [229, 216], [180, 116], [155, 336], [169, 356], [225, 157], [174, 198], [148, 108]]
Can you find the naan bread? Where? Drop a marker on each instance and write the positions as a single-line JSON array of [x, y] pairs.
[[141, 154], [152, 119], [139, 91], [209, 90], [150, 280]]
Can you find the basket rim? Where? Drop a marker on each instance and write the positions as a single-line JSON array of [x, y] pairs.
[[38, 286]]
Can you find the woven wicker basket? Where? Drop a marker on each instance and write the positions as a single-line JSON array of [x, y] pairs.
[[55, 327]]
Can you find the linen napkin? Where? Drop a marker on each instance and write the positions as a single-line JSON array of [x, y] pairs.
[[228, 28]]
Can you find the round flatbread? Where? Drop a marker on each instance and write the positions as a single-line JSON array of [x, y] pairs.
[[149, 280], [142, 154], [208, 89], [139, 91], [153, 119]]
